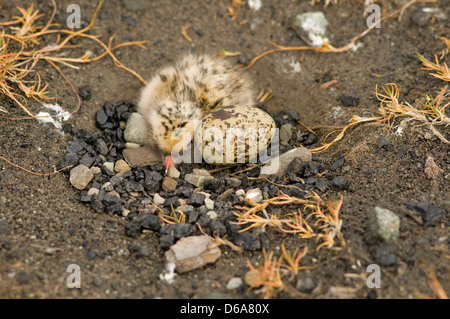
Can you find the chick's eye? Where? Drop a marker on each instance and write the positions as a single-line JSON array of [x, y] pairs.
[[183, 124]]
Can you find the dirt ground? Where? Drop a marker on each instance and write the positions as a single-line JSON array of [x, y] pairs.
[[45, 212]]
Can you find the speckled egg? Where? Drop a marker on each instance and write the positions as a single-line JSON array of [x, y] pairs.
[[234, 134]]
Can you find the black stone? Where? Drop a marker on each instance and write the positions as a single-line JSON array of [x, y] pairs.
[[337, 164], [101, 118], [142, 251], [196, 199], [203, 220], [217, 185], [385, 255], [349, 99], [294, 115], [77, 146], [217, 228], [383, 142], [306, 138], [68, 159], [246, 240], [340, 183], [192, 216], [321, 184], [172, 202], [87, 160], [308, 169], [132, 186], [431, 215], [167, 240], [177, 230], [85, 92], [101, 147], [97, 205], [150, 221]]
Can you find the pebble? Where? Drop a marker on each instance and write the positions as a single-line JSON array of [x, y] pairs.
[[109, 166], [312, 27], [255, 195], [173, 172], [337, 164], [283, 162], [136, 129], [340, 183], [80, 177], [285, 133], [201, 171], [158, 200], [193, 252], [349, 99], [169, 184], [209, 203], [121, 166], [95, 170], [233, 182], [132, 145], [305, 284], [234, 283], [383, 225], [141, 157], [197, 180], [385, 255], [212, 214], [85, 92], [93, 191], [196, 199], [431, 215], [246, 240]]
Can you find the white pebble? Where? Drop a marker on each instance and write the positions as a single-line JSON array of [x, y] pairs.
[[158, 200], [234, 283]]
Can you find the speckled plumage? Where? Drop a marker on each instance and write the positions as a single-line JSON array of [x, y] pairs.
[[187, 91]]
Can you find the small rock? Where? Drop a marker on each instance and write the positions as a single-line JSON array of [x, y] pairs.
[[431, 215], [80, 177], [101, 118], [255, 195], [349, 99], [197, 180], [85, 92], [383, 142], [246, 240], [340, 183], [121, 166], [209, 203], [190, 253], [95, 170], [158, 200], [177, 230], [321, 184], [196, 199], [109, 166], [385, 255], [337, 164], [101, 147], [212, 214], [142, 251], [305, 284], [285, 133], [93, 191], [141, 157], [234, 283], [217, 228], [283, 161], [233, 182], [136, 129], [132, 145], [68, 160], [173, 172], [169, 184], [383, 224], [201, 171]]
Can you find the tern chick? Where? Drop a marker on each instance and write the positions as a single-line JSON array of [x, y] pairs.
[[179, 96]]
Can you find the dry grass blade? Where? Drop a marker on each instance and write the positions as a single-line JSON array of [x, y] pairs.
[[18, 66], [442, 71], [267, 276]]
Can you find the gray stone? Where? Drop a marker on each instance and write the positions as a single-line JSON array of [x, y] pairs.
[[383, 225], [431, 215], [158, 200], [121, 166], [136, 129], [255, 195], [311, 27], [80, 176], [197, 180], [283, 161], [5, 228], [142, 156], [193, 252], [285, 133], [209, 203], [234, 283]]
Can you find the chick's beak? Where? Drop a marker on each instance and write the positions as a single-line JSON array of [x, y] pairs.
[[169, 162]]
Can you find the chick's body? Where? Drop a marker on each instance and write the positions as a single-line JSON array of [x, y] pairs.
[[179, 96]]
